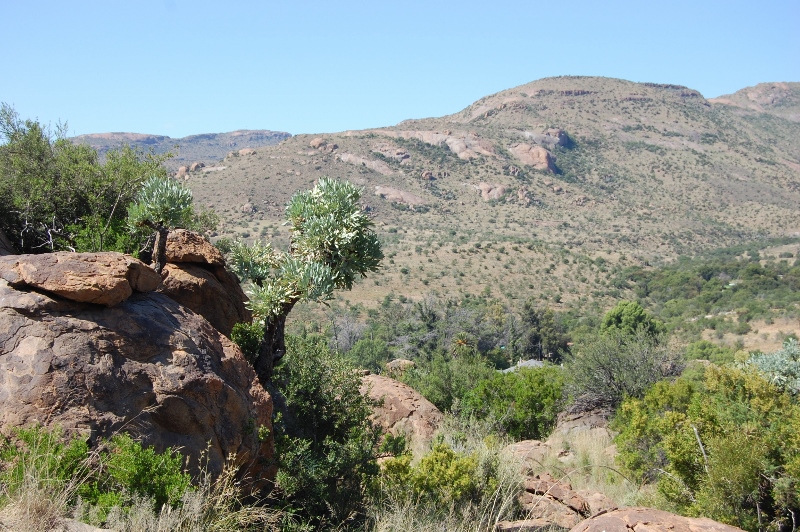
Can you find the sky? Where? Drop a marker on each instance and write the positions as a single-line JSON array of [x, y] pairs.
[[184, 67]]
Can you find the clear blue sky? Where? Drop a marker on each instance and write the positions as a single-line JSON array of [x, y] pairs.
[[181, 67]]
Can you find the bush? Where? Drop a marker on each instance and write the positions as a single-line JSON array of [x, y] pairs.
[[781, 368], [445, 380], [522, 404], [629, 318], [324, 441], [606, 368], [725, 449]]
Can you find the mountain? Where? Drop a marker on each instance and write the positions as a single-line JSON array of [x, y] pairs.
[[206, 148], [546, 190]]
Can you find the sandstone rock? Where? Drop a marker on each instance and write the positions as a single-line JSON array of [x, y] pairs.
[[399, 365], [182, 170], [378, 166], [398, 196], [491, 192], [558, 190], [535, 156], [597, 501], [524, 525], [561, 491], [403, 412], [317, 143], [550, 510], [213, 292], [147, 366], [247, 151], [188, 246], [531, 453], [6, 247], [464, 145], [106, 278], [247, 208], [196, 166], [649, 520]]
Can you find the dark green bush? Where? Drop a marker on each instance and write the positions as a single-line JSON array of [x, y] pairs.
[[522, 404], [248, 337], [324, 441]]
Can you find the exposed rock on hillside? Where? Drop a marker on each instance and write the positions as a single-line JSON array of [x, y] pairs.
[[403, 411], [147, 365], [398, 196], [534, 156], [188, 246], [551, 137], [782, 99], [379, 166], [101, 278], [491, 192], [649, 520], [465, 146]]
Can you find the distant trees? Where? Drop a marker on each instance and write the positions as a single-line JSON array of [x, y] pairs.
[[56, 195], [332, 245], [541, 336]]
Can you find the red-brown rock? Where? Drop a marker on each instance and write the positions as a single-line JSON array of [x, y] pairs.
[[403, 411], [106, 278], [147, 366], [649, 520], [535, 156], [188, 246], [212, 292]]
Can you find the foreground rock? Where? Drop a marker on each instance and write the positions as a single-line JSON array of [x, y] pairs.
[[147, 366], [102, 278], [403, 411], [195, 276], [649, 520]]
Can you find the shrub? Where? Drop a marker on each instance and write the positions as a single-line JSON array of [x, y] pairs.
[[522, 404], [606, 368], [781, 368], [725, 449], [324, 441], [628, 318], [445, 380]]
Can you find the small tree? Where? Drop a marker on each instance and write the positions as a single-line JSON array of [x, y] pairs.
[[628, 318], [162, 204], [332, 244]]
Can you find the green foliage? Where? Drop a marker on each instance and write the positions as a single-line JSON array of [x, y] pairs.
[[542, 337], [444, 380], [705, 350], [629, 318], [781, 368], [725, 449], [325, 443], [606, 368], [161, 202], [56, 195], [522, 404], [248, 337], [370, 354], [442, 477], [102, 479]]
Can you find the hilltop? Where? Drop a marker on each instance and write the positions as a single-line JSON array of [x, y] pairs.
[[543, 189], [205, 148]]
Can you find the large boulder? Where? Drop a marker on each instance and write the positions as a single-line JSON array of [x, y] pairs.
[[403, 411], [106, 278], [195, 276], [534, 156], [649, 520], [146, 366]]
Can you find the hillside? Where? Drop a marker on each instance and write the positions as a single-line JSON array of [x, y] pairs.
[[543, 189], [206, 148]]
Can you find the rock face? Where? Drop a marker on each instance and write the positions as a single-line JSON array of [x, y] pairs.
[[552, 500], [491, 192], [378, 166], [398, 196], [649, 520], [195, 276], [147, 366], [535, 156], [403, 412], [102, 278], [465, 145]]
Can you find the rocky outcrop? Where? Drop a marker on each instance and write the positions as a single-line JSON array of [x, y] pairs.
[[148, 366], [106, 278], [535, 156], [551, 137], [246, 151], [378, 166], [649, 520], [554, 501], [403, 411], [195, 166], [491, 192], [464, 145], [398, 196], [195, 276]]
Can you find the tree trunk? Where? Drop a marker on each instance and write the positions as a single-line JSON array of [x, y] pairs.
[[160, 249], [273, 346]]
